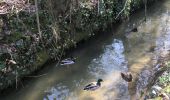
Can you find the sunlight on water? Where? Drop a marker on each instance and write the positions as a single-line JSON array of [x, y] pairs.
[[107, 66]]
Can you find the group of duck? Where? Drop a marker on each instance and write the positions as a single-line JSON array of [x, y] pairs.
[[95, 85]]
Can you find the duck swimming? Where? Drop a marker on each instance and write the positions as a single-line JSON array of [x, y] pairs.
[[93, 86], [127, 76], [135, 29], [68, 61]]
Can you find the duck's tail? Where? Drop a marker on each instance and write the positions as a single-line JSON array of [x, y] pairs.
[[86, 88]]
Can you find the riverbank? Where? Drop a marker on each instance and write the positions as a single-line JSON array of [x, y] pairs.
[[158, 82]]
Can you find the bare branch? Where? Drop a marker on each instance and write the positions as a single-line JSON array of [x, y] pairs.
[[37, 17], [121, 10]]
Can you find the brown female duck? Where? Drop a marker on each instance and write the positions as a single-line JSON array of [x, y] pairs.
[[127, 76]]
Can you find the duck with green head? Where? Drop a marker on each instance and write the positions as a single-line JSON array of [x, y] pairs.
[[93, 86]]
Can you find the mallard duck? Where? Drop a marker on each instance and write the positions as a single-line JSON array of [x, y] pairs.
[[127, 76], [93, 86], [68, 61], [164, 96]]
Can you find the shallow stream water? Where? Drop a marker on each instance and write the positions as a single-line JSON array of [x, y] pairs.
[[105, 57]]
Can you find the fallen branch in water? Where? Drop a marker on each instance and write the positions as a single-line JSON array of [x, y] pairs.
[[37, 75]]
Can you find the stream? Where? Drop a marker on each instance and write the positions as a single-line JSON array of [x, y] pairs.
[[105, 56]]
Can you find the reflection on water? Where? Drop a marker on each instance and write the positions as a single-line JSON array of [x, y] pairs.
[[58, 93], [105, 57], [112, 58], [104, 66]]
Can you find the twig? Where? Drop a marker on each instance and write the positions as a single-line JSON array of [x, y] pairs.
[[98, 7], [70, 11], [16, 80], [22, 84], [145, 9], [37, 17], [37, 75], [121, 10], [60, 57]]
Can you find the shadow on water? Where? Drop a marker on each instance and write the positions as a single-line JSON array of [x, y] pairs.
[[105, 57]]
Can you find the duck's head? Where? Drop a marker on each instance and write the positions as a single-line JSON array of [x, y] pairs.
[[99, 80], [73, 58]]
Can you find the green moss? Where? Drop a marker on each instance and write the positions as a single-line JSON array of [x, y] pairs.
[[42, 57]]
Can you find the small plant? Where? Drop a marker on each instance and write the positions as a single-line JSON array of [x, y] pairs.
[[165, 79]]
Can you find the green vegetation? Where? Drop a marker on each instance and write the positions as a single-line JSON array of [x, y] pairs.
[[164, 80]]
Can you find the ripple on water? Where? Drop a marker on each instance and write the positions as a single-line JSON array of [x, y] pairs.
[[111, 60], [59, 92]]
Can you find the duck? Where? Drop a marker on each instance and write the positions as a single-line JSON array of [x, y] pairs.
[[93, 86], [152, 48], [164, 96], [135, 29], [68, 61], [127, 76]]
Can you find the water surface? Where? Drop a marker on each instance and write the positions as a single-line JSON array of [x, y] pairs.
[[105, 57]]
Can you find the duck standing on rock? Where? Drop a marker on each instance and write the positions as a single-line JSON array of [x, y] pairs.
[[127, 76], [93, 86], [68, 61]]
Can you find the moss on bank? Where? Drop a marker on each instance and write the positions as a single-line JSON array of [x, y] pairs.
[[42, 58]]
